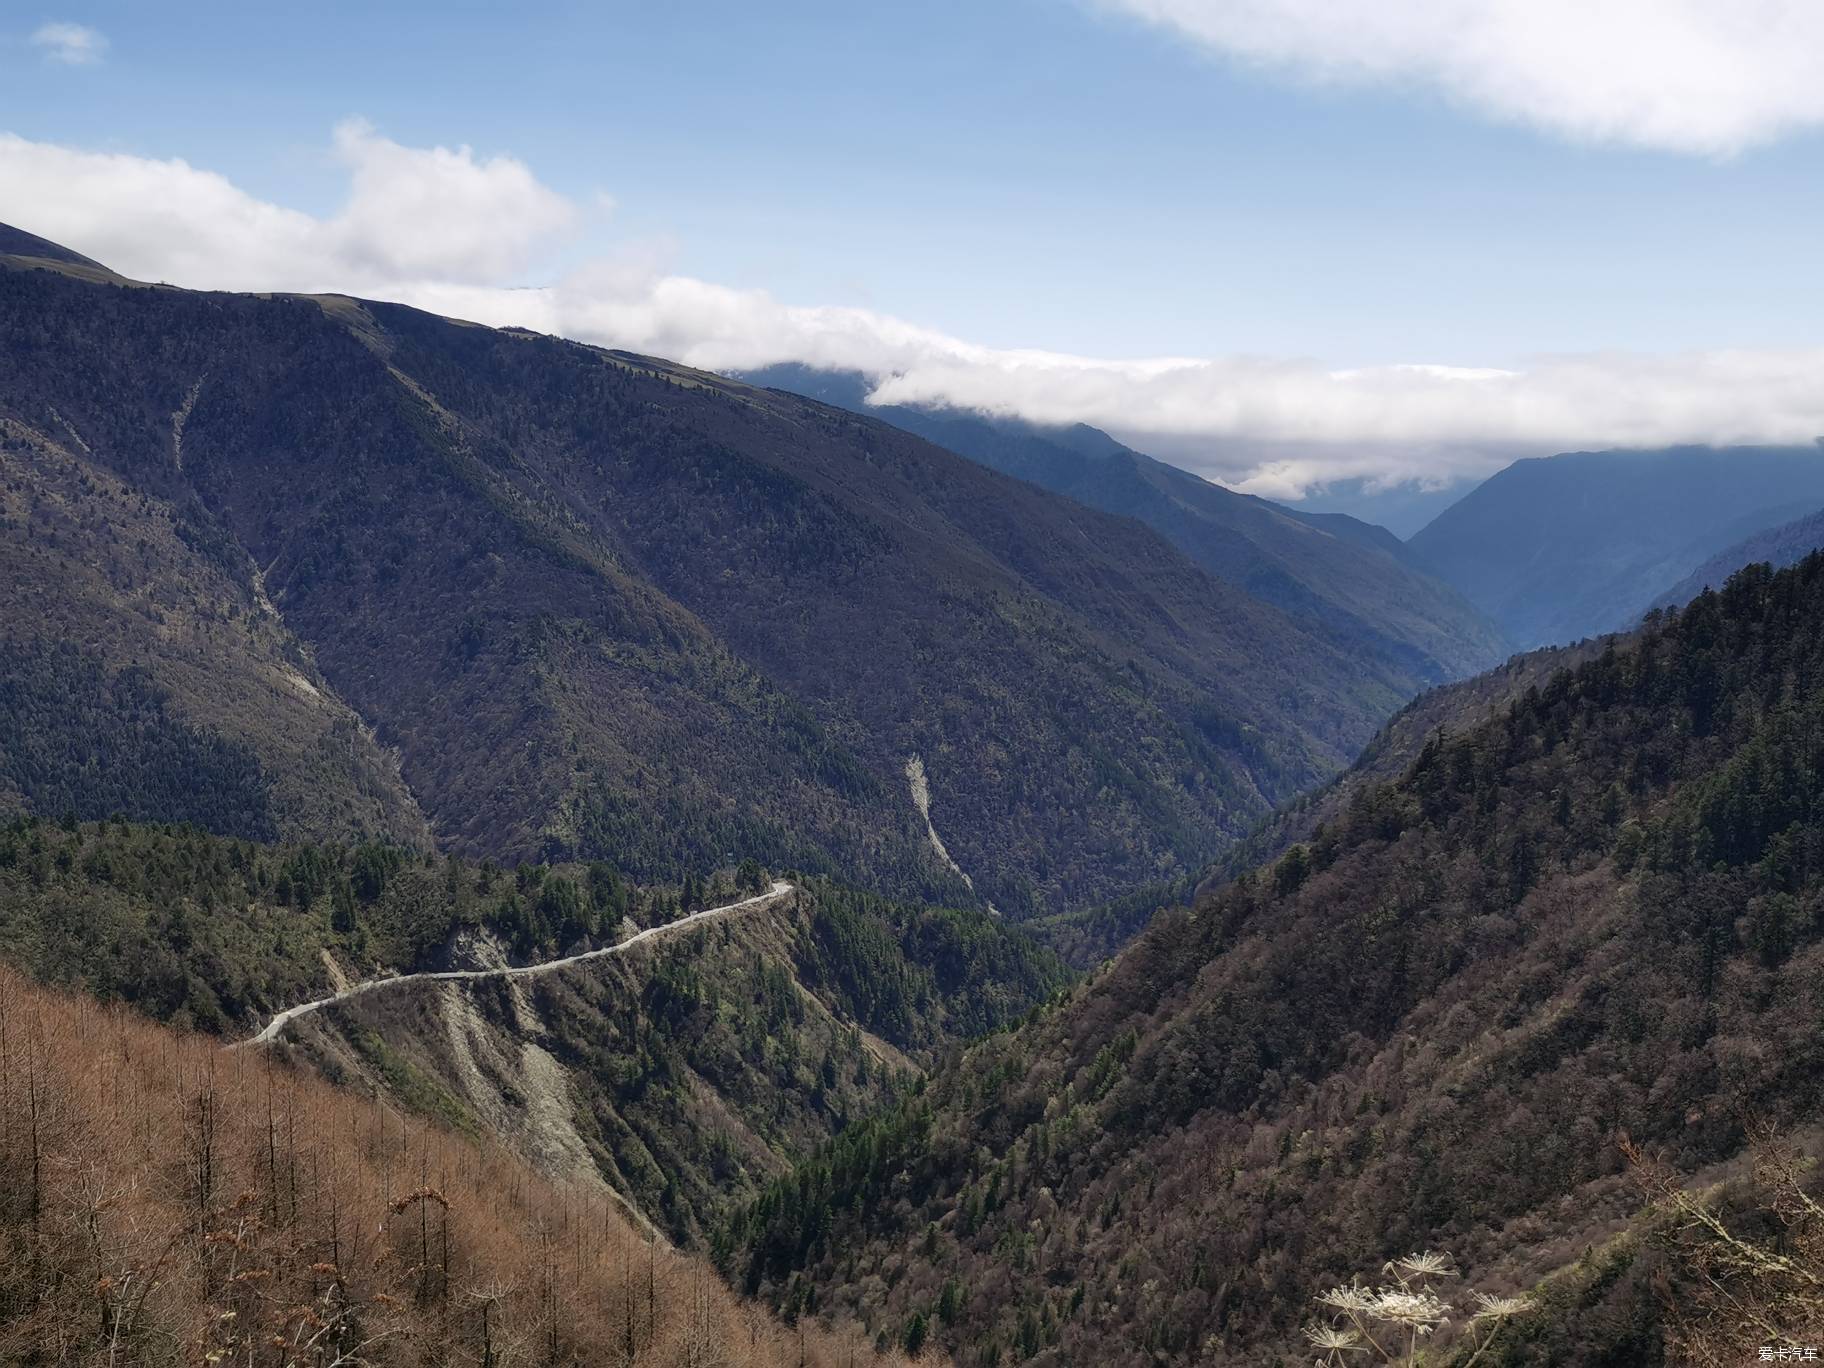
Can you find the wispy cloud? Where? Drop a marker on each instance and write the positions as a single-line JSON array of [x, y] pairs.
[[1698, 76], [70, 44], [459, 233]]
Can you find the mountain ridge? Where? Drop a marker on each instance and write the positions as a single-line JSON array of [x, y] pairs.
[[681, 1045], [1562, 547], [589, 603], [1590, 916], [1779, 547], [1354, 582]]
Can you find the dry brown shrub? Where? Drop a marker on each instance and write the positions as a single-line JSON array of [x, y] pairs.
[[166, 1202], [1746, 1275]]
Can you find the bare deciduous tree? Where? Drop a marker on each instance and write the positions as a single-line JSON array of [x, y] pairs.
[[165, 1204]]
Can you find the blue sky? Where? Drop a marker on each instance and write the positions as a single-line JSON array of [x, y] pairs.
[[1042, 174]]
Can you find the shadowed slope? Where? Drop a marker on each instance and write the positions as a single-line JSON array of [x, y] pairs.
[[601, 605], [1595, 912], [1572, 546], [1349, 582]]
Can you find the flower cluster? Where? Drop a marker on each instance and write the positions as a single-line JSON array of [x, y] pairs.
[[1392, 1320]]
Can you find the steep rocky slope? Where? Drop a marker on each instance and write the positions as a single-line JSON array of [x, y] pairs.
[[681, 1074], [600, 605], [1592, 915]]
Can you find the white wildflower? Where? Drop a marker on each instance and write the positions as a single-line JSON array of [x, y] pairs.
[[1425, 1264], [1347, 1299], [1499, 1308], [1330, 1337], [1420, 1311], [1387, 1324]]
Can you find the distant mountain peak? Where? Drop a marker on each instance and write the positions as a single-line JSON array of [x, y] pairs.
[[1557, 548], [1348, 582]]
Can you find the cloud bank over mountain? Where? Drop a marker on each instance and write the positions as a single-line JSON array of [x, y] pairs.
[[460, 233]]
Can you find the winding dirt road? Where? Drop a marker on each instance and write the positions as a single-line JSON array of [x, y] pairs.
[[271, 1032]]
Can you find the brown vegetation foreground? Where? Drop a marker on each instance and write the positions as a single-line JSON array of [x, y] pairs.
[[1746, 1267], [165, 1202]]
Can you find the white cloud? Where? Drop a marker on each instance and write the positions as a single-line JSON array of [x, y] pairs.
[[440, 212], [412, 215], [1702, 76], [71, 44], [449, 231]]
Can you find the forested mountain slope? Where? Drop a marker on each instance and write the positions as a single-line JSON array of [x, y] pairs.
[[1087, 936], [690, 1073], [1777, 546], [167, 1203], [143, 672], [1349, 581], [598, 605], [1596, 913], [685, 1074], [1571, 546], [1450, 709]]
